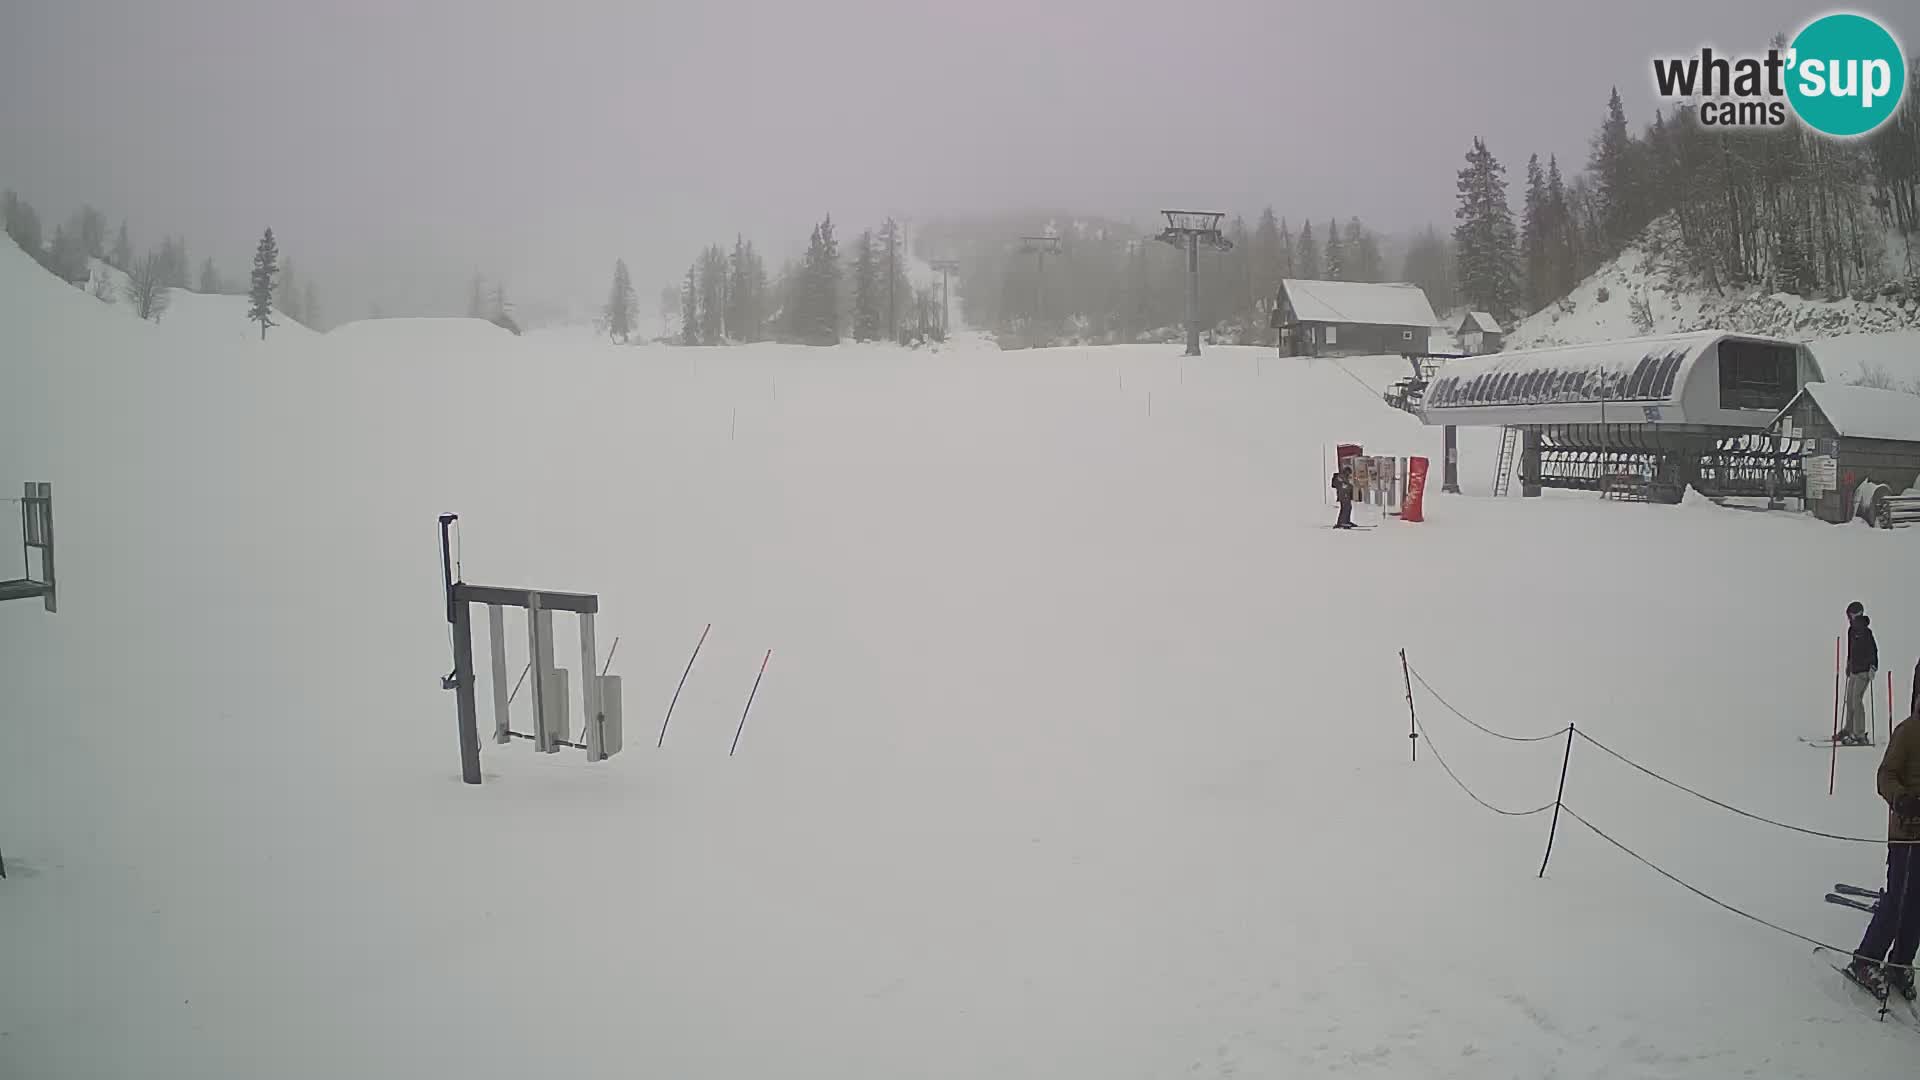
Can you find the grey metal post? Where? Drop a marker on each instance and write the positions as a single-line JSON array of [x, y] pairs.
[[589, 676], [536, 654], [497, 653], [1530, 463], [463, 692], [1193, 295], [46, 553], [1450, 471]]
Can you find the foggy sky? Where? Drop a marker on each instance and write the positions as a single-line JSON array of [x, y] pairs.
[[397, 146]]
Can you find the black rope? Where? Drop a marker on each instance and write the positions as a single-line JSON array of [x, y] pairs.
[[1463, 786], [1481, 727], [1709, 897], [1598, 745]]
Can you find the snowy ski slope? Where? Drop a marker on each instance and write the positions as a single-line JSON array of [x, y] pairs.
[[1081, 752]]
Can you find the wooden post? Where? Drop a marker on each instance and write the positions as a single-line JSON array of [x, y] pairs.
[[1413, 727], [1558, 797]]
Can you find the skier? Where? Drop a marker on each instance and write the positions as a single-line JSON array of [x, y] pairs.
[[1863, 661], [1894, 934], [1343, 487]]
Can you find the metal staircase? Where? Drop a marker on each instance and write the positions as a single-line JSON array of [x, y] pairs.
[[1509, 453]]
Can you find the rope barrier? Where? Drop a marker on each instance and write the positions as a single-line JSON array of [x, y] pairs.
[[1435, 751], [1481, 727], [1709, 897], [1598, 745]]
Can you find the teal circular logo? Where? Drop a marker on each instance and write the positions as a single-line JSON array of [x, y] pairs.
[[1847, 74]]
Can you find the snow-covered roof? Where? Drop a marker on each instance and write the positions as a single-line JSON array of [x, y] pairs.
[[1862, 412], [1363, 302], [1479, 320], [1636, 369]]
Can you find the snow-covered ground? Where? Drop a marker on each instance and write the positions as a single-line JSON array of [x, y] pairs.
[[1081, 752]]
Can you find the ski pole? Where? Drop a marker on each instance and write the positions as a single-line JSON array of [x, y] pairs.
[[1833, 763], [683, 684], [750, 696]]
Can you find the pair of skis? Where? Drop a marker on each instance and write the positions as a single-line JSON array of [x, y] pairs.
[[1853, 896], [1868, 900], [1828, 742]]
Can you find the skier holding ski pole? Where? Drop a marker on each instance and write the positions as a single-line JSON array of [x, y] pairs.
[[1863, 662], [1884, 960], [1343, 488]]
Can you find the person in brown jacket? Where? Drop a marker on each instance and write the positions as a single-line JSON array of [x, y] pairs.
[[1884, 960]]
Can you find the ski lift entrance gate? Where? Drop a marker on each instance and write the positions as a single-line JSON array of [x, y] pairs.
[[599, 694]]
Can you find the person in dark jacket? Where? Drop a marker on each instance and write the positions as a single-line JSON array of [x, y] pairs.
[[1863, 662], [1884, 960], [1343, 489]]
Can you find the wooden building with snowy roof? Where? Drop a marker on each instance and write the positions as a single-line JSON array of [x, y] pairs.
[[1351, 318]]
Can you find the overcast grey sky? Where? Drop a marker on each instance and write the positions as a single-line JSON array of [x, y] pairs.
[[403, 143]]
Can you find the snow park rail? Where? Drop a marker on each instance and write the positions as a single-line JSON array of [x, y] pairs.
[[1559, 805]]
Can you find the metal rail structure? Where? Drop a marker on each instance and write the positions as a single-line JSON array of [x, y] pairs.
[[1631, 461], [600, 694], [1189, 229], [1644, 417], [36, 532]]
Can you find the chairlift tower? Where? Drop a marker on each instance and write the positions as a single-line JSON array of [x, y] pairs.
[[946, 266], [1189, 229], [1040, 247]]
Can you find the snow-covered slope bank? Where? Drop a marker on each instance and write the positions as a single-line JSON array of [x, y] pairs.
[[1647, 276]]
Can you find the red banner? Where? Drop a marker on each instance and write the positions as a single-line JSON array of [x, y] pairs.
[[1416, 487]]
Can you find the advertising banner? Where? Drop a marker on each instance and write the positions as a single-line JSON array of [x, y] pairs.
[[1410, 510]]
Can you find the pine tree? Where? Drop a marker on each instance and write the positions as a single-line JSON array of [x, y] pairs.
[[92, 227], [622, 304], [122, 258], [1287, 266], [1363, 253], [1612, 166], [713, 296], [746, 293], [67, 257], [174, 264], [1430, 265], [866, 289], [690, 306], [894, 286], [1535, 225], [1484, 238], [477, 297], [1306, 256], [1559, 238], [260, 296], [1335, 264], [209, 278], [819, 288], [23, 224]]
